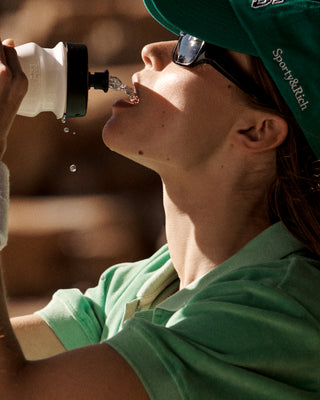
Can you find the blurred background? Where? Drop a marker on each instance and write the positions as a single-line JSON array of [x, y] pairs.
[[66, 228]]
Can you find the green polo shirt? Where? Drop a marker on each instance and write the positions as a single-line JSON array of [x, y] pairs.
[[248, 329]]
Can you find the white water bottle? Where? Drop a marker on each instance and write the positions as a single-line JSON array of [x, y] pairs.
[[58, 79]]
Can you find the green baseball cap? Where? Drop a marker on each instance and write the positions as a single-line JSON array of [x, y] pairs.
[[285, 34]]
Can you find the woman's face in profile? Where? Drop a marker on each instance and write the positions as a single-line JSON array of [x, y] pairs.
[[183, 116]]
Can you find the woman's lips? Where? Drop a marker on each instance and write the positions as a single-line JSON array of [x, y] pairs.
[[122, 103]]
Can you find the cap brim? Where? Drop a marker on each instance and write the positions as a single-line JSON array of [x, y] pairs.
[[209, 20]]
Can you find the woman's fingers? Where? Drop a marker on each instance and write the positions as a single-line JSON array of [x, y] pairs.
[[2, 54], [13, 82], [12, 58], [8, 42], [3, 46], [13, 87]]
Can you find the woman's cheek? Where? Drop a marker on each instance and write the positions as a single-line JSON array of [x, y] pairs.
[[175, 90]]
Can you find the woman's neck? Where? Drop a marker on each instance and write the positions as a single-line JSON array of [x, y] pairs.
[[206, 224]]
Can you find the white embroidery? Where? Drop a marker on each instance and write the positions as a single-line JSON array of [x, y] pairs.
[[263, 3], [288, 76]]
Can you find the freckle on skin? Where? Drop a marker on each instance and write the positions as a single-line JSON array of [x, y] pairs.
[[140, 152]]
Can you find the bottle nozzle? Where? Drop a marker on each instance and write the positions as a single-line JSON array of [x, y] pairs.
[[99, 80]]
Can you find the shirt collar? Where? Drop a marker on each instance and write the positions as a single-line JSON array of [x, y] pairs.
[[274, 243]]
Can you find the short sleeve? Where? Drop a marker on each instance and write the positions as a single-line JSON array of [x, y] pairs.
[[83, 319], [74, 318], [78, 318]]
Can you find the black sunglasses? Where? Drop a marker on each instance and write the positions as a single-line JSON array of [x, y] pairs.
[[191, 51]]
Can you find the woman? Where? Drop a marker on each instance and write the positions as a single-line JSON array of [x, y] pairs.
[[230, 308]]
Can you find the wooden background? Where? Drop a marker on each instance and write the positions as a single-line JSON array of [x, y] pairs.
[[66, 228]]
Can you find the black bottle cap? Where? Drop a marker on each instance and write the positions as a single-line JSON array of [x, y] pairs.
[[77, 80]]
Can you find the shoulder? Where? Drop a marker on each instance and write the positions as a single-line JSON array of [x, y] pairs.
[[293, 280]]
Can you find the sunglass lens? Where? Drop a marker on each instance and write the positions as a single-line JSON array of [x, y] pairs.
[[188, 49]]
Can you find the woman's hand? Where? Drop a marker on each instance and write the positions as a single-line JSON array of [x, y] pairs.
[[13, 87]]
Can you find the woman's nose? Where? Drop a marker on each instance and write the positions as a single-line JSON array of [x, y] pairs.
[[157, 55]]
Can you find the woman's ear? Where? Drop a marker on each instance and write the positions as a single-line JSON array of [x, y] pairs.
[[260, 132]]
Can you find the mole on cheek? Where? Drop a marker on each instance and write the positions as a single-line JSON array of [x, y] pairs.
[[140, 152]]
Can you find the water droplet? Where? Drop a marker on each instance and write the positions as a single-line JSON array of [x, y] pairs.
[[64, 119], [74, 133], [129, 91], [73, 168], [114, 83], [66, 129], [134, 99]]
